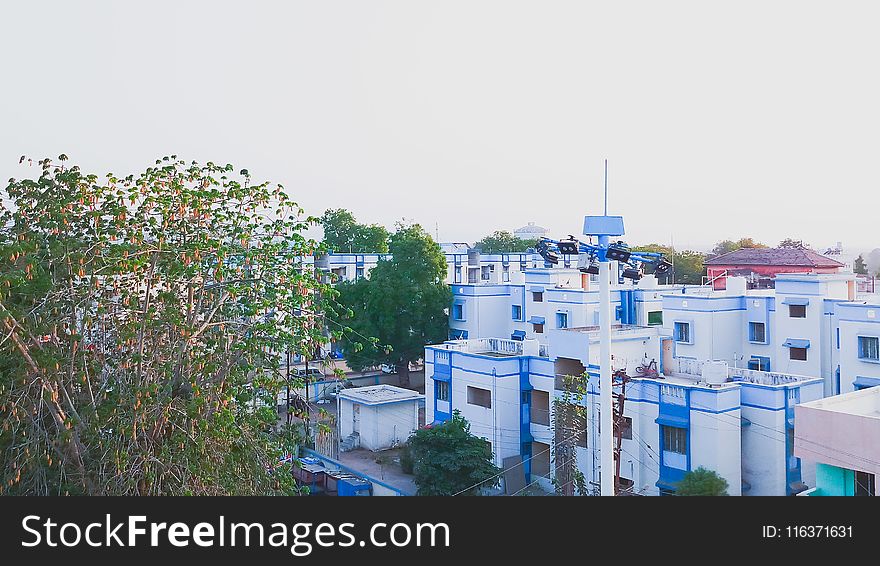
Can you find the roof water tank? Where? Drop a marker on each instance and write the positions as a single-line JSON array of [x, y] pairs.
[[736, 285], [714, 372], [648, 282]]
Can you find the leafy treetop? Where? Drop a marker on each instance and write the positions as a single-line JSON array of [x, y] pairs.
[[142, 315], [343, 234]]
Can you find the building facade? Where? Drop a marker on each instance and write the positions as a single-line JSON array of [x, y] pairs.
[[840, 435], [510, 391], [810, 337]]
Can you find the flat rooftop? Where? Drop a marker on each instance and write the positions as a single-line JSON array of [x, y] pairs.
[[379, 394], [864, 403]]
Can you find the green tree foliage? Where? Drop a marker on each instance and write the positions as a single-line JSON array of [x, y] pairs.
[[343, 234], [859, 266], [702, 482], [792, 244], [570, 417], [140, 314], [502, 241], [401, 307], [449, 460], [727, 246], [688, 264]]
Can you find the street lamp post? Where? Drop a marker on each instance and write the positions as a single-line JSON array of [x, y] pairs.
[[604, 227], [604, 259]]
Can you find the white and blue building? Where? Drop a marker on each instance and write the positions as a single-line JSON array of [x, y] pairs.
[[814, 325], [542, 299], [810, 337], [735, 421]]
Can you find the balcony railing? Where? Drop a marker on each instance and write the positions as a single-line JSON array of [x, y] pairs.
[[496, 346], [764, 377]]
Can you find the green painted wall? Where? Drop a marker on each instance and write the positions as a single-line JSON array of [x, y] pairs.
[[831, 480]]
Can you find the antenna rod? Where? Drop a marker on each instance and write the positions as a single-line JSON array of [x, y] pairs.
[[606, 187]]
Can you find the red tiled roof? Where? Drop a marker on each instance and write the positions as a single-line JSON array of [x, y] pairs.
[[773, 256]]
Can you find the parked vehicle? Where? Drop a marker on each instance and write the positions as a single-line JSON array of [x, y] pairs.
[[309, 376]]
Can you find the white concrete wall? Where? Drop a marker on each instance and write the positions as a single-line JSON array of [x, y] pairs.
[[395, 422], [345, 418], [809, 328], [850, 364], [715, 445]]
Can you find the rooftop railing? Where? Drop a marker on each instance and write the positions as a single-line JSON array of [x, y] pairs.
[[496, 346]]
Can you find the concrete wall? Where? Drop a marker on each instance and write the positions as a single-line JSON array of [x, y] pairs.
[[381, 426], [856, 320], [842, 431]]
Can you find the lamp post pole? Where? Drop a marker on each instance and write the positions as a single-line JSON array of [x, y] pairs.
[[606, 432]]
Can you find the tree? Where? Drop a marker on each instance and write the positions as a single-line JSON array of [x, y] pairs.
[[141, 314], [688, 265], [501, 241], [401, 307], [792, 244], [449, 460], [702, 482], [727, 246], [343, 234], [859, 266]]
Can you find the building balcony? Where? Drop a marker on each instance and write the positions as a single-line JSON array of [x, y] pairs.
[[496, 347]]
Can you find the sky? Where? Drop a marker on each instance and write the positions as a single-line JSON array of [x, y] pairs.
[[718, 120]]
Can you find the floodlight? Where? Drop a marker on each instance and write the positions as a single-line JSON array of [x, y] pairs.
[[568, 247], [631, 273], [662, 267], [592, 269], [618, 252], [544, 250]]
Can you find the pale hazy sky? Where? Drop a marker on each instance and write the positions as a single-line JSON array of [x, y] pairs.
[[719, 120]]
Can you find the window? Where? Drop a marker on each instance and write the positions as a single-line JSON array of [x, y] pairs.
[[458, 311], [538, 328], [869, 348], [561, 320], [864, 484], [505, 273], [655, 318], [797, 311], [626, 428], [516, 312], [484, 272], [683, 332], [759, 363], [757, 332], [797, 354], [675, 439], [441, 390], [538, 296], [539, 407], [359, 273], [481, 397], [457, 274]]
